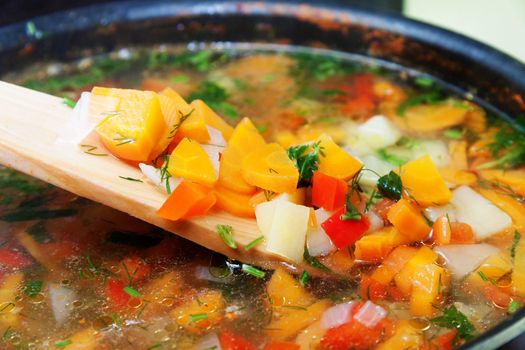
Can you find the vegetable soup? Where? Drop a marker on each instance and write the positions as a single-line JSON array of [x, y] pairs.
[[406, 200]]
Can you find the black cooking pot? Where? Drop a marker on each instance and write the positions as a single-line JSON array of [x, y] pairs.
[[492, 79]]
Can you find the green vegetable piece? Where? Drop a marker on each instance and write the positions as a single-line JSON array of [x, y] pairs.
[[250, 270], [226, 234], [306, 163], [131, 292], [452, 318], [513, 307], [454, 134], [63, 343], [69, 102], [33, 287], [304, 278], [390, 185], [198, 317], [312, 261], [253, 243]]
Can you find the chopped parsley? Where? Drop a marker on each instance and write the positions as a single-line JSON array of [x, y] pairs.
[[320, 67], [226, 234], [452, 318], [198, 317], [255, 272], [515, 242], [306, 162], [63, 343], [390, 185], [33, 287], [215, 96], [312, 261], [181, 78], [304, 278], [426, 97], [454, 134], [253, 243], [487, 279], [131, 291], [351, 212], [508, 146], [513, 307]]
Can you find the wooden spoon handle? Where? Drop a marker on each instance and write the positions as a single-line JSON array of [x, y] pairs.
[[31, 122]]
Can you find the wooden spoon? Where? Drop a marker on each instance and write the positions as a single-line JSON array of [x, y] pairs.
[[31, 122]]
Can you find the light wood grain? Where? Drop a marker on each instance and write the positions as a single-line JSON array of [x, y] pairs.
[[30, 123]]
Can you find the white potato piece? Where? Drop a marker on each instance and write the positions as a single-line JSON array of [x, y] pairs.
[[462, 259], [284, 227], [378, 132], [485, 218]]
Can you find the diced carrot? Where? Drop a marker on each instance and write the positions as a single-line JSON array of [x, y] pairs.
[[283, 289], [500, 297], [133, 131], [187, 200], [405, 278], [383, 206], [430, 117], [458, 154], [281, 346], [458, 177], [230, 341], [269, 168], [374, 247], [461, 233], [386, 90], [189, 161], [370, 289], [408, 220], [336, 162], [234, 203], [396, 260], [211, 118], [244, 139], [134, 269], [210, 303], [328, 192], [422, 180], [429, 282], [515, 179], [508, 204], [442, 231]]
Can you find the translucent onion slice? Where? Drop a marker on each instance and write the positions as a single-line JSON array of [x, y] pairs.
[[370, 314], [337, 315], [317, 240], [154, 176], [462, 259]]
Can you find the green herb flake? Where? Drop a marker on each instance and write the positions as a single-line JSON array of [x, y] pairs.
[[255, 272], [69, 102], [179, 79], [33, 287], [423, 81], [390, 185], [487, 279], [351, 212], [430, 97], [253, 243], [131, 291], [453, 134], [508, 146], [226, 234], [63, 343], [130, 178], [312, 261], [261, 128], [514, 245], [390, 158], [304, 278], [306, 163], [452, 318], [198, 317], [89, 149], [513, 307]]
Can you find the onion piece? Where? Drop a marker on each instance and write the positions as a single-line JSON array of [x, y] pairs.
[[213, 153], [210, 341], [317, 240], [462, 259], [153, 175], [370, 314], [375, 221], [434, 213], [78, 126], [61, 299], [337, 315], [216, 138]]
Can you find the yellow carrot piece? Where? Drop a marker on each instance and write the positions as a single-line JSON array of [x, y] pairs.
[[422, 180], [202, 312], [284, 290], [428, 282], [409, 220], [405, 337], [336, 161], [9, 289], [189, 160], [211, 118], [518, 273], [376, 246], [404, 279], [509, 205], [515, 179]]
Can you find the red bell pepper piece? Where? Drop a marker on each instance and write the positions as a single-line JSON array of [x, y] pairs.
[[13, 259], [344, 232], [115, 295], [134, 269], [328, 192], [230, 341]]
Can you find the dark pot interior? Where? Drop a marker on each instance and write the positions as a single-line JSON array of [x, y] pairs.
[[496, 81]]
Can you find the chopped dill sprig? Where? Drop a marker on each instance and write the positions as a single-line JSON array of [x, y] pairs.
[[89, 150], [123, 140], [130, 178], [226, 234], [177, 125], [253, 243]]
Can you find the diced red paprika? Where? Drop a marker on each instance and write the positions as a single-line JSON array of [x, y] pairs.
[[133, 269], [282, 346], [344, 232], [230, 341], [328, 192], [443, 342], [187, 200], [13, 259], [115, 295]]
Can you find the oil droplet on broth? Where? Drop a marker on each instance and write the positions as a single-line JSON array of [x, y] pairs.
[[420, 323]]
